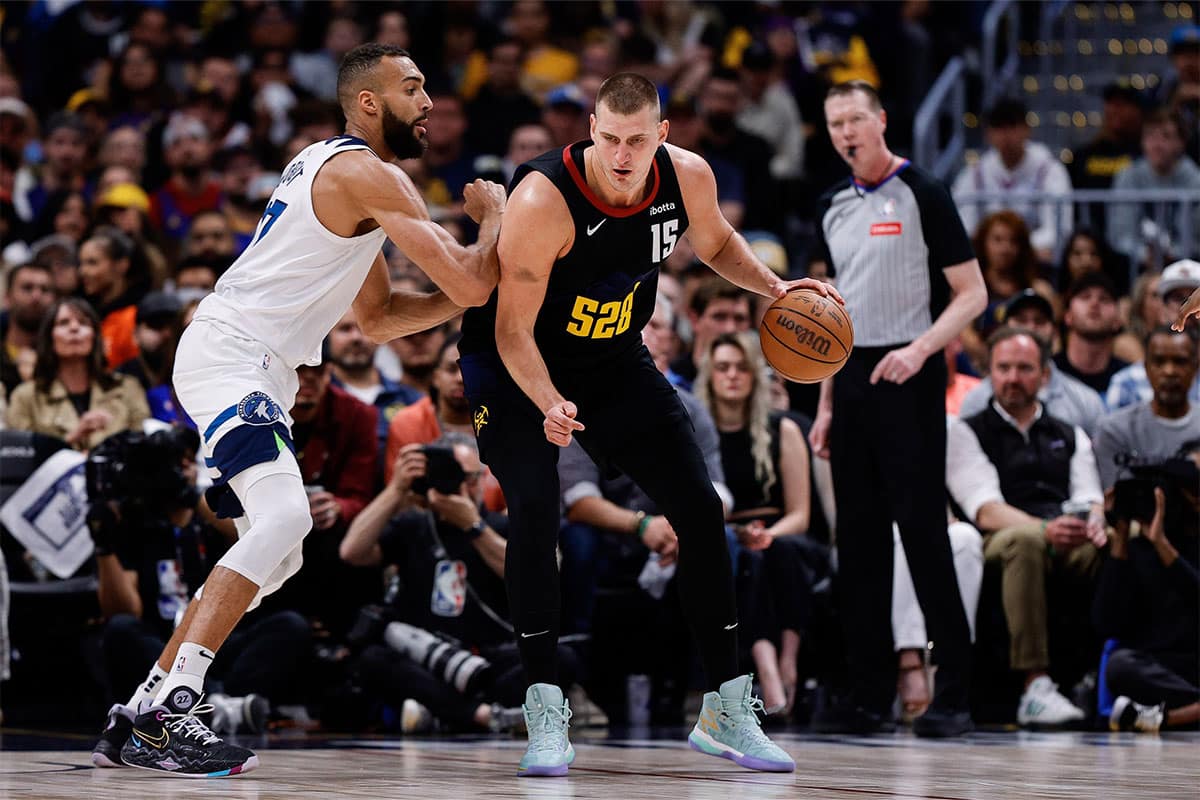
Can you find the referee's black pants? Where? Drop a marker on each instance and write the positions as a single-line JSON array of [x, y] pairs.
[[888, 456], [635, 423]]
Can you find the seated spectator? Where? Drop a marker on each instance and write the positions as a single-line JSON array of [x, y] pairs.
[[958, 385], [1115, 147], [60, 255], [716, 307], [417, 354], [113, 278], [451, 601], [1009, 267], [1019, 474], [1014, 164], [1092, 323], [353, 357], [766, 465], [1180, 88], [1164, 166], [210, 235], [196, 276], [1131, 385], [444, 409], [159, 324], [72, 395], [152, 554], [126, 207], [65, 147], [500, 109], [1064, 397], [29, 292], [190, 188], [1087, 251], [66, 214], [1165, 424], [335, 448], [1147, 601]]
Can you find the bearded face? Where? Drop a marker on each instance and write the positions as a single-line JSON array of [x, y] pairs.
[[402, 137]]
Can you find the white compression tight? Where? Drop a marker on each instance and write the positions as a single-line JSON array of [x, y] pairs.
[[271, 534]]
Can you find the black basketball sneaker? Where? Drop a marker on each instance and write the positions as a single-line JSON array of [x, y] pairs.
[[107, 752], [171, 739]]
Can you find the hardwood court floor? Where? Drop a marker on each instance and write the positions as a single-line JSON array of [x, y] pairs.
[[985, 766]]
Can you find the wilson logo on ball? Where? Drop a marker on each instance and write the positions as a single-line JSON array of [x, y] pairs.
[[805, 336]]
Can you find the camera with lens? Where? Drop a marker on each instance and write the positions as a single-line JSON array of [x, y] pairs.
[[442, 471], [1134, 496], [139, 471]]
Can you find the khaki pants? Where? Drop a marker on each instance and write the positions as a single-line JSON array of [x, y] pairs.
[[1026, 565]]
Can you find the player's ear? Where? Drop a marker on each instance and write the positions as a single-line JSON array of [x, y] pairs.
[[592, 127], [366, 101], [663, 128]]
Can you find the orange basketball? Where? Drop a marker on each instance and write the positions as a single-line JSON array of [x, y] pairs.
[[805, 336]]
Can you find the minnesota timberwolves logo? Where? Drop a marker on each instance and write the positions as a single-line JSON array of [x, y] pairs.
[[257, 408]]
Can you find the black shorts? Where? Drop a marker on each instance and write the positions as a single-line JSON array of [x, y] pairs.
[[619, 403]]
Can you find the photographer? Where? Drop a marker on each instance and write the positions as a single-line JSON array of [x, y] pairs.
[[152, 554], [1148, 598], [429, 522], [1149, 590]]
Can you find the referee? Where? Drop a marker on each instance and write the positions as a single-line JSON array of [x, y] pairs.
[[904, 265]]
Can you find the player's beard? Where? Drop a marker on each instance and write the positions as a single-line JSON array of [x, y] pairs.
[[401, 136]]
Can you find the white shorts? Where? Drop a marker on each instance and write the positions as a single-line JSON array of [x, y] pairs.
[[238, 393]]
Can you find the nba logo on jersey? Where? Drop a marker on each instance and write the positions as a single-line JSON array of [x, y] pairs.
[[257, 408], [449, 588]]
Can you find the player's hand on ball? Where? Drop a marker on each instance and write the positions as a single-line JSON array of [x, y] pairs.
[[560, 423], [821, 287], [899, 365], [1190, 308], [482, 198]]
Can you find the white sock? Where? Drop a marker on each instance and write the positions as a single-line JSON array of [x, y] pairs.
[[147, 689], [189, 669]]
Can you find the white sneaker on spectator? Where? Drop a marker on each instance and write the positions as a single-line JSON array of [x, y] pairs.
[[1041, 704], [1130, 716], [415, 718]]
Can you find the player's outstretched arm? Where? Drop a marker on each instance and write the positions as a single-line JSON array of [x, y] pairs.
[[716, 242], [537, 231], [384, 314], [1190, 308], [467, 274]]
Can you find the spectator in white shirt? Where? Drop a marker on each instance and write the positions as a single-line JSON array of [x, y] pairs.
[[1014, 164], [1029, 482]]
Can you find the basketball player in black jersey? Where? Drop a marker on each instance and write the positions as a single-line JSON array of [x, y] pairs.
[[557, 352]]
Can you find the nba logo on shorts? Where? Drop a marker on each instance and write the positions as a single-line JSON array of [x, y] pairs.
[[449, 588], [257, 408], [266, 360]]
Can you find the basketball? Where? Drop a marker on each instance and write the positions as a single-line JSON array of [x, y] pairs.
[[806, 337]]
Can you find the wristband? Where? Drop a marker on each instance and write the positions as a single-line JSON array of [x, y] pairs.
[[476, 530], [643, 524], [638, 516]]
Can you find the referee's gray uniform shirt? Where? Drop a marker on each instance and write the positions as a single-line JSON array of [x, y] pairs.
[[887, 245]]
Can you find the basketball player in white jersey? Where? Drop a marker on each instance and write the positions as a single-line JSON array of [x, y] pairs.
[[317, 249]]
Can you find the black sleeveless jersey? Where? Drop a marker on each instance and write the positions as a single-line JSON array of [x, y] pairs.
[[600, 294]]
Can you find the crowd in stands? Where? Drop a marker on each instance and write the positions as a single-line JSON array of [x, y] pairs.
[[139, 144]]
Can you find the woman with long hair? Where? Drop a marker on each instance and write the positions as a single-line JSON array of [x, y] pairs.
[[72, 395], [1009, 265], [766, 466], [114, 278]]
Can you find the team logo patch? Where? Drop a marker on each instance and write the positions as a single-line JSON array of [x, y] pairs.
[[257, 408], [889, 207], [481, 419]]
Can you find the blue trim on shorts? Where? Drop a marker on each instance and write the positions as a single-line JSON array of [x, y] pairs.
[[221, 419]]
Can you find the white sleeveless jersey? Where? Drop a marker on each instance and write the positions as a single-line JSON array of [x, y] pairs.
[[296, 278]]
